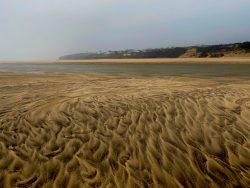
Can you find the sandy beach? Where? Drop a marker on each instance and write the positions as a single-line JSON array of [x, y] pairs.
[[124, 94], [75, 130], [187, 60]]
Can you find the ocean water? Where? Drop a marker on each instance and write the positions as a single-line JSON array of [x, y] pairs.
[[134, 69]]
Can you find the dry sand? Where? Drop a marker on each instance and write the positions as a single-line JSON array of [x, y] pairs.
[[112, 131]]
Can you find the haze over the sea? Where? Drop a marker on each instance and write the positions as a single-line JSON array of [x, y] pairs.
[[47, 29]]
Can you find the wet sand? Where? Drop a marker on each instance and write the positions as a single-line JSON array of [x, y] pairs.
[[75, 130]]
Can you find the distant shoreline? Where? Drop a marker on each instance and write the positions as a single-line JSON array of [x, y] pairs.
[[223, 60], [205, 51]]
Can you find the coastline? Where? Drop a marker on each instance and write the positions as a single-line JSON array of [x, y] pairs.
[[223, 60]]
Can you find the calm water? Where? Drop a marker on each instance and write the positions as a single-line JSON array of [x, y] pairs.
[[134, 69]]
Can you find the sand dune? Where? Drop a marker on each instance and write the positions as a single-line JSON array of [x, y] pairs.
[[115, 131]]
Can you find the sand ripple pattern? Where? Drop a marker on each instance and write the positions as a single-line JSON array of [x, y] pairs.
[[123, 132]]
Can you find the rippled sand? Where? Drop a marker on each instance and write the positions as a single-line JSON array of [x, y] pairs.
[[116, 131]]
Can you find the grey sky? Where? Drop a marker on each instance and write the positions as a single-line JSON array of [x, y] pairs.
[[47, 29]]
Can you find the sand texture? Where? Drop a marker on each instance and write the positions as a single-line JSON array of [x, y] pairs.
[[116, 131]]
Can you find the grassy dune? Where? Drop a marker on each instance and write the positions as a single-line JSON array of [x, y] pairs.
[[112, 131]]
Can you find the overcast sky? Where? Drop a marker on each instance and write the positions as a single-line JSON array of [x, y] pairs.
[[47, 29]]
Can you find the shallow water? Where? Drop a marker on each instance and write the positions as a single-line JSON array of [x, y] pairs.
[[135, 69]]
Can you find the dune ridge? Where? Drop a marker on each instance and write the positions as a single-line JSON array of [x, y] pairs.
[[115, 131]]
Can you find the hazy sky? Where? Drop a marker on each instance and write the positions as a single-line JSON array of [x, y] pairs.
[[47, 29]]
